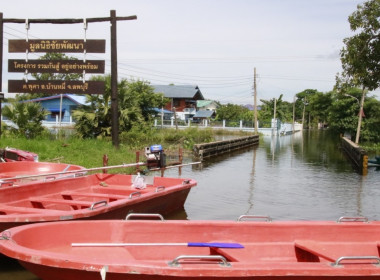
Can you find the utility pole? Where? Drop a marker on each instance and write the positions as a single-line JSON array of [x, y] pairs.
[[255, 100], [303, 112], [294, 111]]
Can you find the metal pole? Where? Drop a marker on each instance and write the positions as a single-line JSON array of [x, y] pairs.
[[114, 94]]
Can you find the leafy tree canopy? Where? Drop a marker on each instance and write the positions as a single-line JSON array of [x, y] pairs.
[[361, 54], [136, 103], [27, 116]]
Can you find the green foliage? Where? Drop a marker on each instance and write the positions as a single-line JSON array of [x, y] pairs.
[[185, 137], [360, 55], [232, 112], [316, 105], [27, 116], [283, 110], [136, 100]]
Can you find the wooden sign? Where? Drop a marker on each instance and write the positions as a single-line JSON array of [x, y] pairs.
[[57, 46], [55, 66], [56, 87]]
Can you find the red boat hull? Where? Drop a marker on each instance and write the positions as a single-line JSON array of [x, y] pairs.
[[97, 196], [24, 168], [272, 250]]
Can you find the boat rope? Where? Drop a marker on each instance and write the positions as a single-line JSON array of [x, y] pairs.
[[6, 235]]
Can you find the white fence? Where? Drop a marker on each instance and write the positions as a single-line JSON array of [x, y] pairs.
[[276, 128]]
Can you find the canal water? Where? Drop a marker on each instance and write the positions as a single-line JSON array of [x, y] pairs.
[[304, 176]]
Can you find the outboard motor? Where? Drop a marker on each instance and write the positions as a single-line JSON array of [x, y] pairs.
[[155, 156]]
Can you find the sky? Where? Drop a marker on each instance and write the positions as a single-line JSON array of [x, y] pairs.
[[214, 44]]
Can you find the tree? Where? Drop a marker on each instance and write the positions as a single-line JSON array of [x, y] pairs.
[[343, 112], [136, 100], [27, 116], [284, 110], [233, 112], [316, 106], [360, 56]]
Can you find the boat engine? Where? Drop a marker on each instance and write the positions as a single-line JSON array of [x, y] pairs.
[[155, 156]]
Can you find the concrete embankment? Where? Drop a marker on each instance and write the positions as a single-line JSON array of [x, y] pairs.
[[357, 155], [221, 147]]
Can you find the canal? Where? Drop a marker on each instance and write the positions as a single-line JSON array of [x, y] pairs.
[[304, 176]]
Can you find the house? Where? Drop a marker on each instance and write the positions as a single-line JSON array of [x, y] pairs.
[[183, 99], [203, 115], [53, 105], [207, 105]]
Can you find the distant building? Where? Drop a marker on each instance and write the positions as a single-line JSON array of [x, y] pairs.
[[182, 97], [52, 104], [200, 116], [207, 105]]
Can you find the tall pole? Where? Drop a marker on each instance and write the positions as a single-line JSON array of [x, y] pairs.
[[360, 117], [114, 98], [294, 111], [303, 111], [255, 100]]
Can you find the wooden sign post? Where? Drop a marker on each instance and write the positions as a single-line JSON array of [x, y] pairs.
[[64, 66]]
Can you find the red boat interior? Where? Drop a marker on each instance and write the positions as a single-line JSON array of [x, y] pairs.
[[87, 192], [268, 247], [16, 169]]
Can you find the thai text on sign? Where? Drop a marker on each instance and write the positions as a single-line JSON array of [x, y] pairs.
[[56, 87], [56, 66], [58, 46]]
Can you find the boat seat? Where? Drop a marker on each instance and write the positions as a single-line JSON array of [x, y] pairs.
[[67, 195], [9, 210], [38, 202], [331, 251]]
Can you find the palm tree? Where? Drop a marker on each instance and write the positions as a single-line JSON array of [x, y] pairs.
[[27, 116]]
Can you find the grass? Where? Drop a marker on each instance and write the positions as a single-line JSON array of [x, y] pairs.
[[89, 152]]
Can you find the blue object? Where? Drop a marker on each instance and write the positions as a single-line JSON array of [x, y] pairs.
[[155, 148], [216, 245]]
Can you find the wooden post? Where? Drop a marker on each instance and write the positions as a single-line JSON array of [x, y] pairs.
[[175, 119], [137, 160], [105, 163], [180, 159], [1, 61], [114, 95]]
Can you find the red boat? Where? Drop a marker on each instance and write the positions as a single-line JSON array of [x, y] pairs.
[[97, 196], [12, 154], [144, 249], [17, 173]]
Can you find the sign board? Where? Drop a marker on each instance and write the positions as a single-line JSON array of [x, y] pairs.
[[56, 87], [55, 66], [57, 46]]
